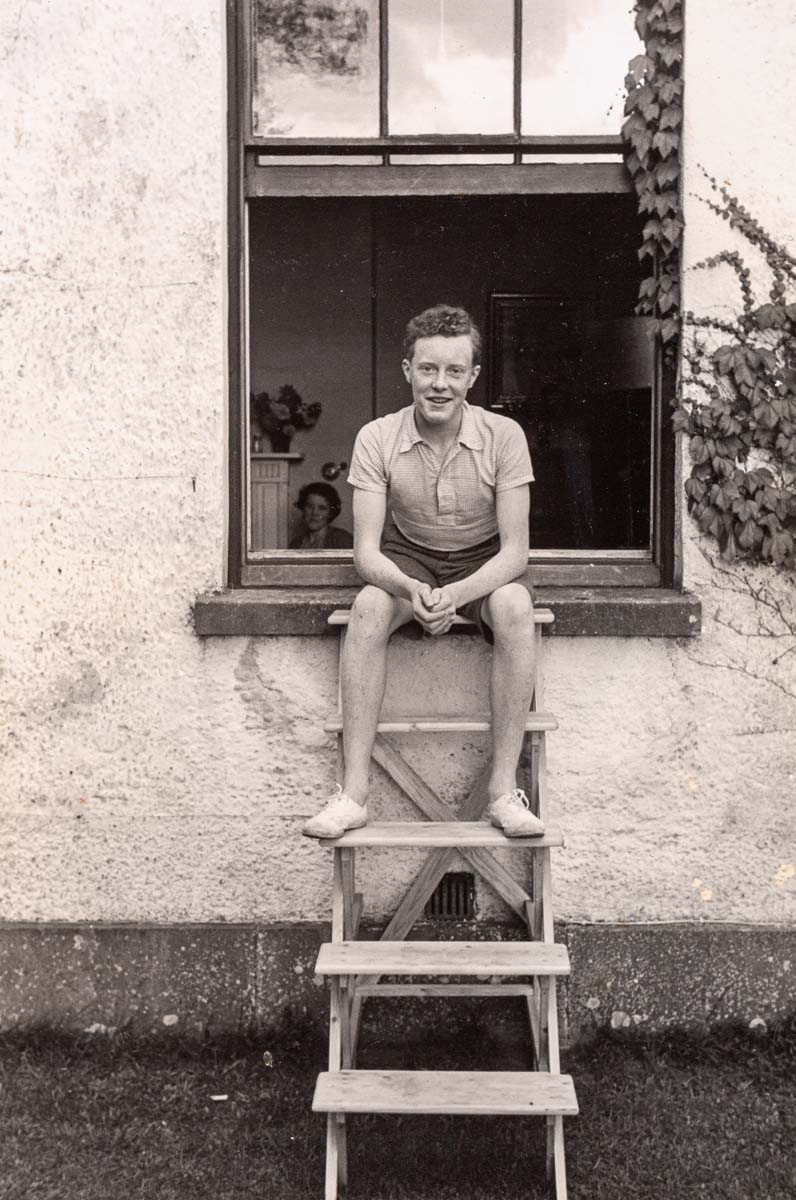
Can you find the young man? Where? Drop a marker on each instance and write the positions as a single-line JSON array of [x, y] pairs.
[[441, 504]]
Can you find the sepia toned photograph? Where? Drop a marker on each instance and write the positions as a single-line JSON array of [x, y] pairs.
[[398, 634]]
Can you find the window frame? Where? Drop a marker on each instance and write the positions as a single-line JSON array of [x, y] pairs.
[[248, 180]]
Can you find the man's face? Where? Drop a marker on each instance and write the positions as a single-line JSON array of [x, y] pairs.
[[441, 373]]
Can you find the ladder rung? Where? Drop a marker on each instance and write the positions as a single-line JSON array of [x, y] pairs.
[[442, 958], [526, 1093], [541, 616], [429, 834], [535, 722]]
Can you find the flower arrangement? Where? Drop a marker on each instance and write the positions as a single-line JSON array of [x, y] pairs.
[[279, 417]]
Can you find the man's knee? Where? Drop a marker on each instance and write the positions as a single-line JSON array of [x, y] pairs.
[[510, 608], [373, 610]]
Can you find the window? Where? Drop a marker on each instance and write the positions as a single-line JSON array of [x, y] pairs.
[[391, 154]]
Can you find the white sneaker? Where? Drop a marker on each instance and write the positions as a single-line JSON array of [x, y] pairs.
[[337, 815], [511, 813]]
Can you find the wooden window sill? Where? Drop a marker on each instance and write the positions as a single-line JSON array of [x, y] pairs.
[[579, 612]]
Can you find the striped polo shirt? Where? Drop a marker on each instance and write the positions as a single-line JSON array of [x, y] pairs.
[[446, 505]]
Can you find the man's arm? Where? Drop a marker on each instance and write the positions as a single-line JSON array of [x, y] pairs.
[[370, 510], [512, 508]]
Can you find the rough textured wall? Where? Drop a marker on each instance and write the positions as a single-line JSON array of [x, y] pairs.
[[147, 775]]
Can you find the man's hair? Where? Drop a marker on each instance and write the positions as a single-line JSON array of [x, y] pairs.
[[445, 321]]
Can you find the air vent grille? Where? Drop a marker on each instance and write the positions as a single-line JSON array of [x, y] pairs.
[[453, 898]]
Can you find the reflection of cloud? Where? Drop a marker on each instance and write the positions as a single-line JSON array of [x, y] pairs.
[[547, 29], [450, 77], [580, 87]]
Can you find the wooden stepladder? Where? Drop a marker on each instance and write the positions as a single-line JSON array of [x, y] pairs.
[[527, 968]]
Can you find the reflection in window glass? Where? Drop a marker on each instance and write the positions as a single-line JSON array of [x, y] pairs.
[[574, 61], [318, 160], [571, 160], [457, 160], [582, 390], [316, 68], [450, 66]]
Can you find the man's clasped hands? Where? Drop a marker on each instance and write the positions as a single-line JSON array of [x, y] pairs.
[[434, 608]]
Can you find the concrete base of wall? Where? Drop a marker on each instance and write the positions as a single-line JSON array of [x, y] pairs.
[[206, 979]]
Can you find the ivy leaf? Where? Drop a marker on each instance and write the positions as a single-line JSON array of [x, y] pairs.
[[648, 247], [665, 141], [640, 66], [671, 54], [668, 5], [745, 509], [669, 329], [750, 535], [779, 546], [723, 359], [666, 202], [641, 139], [787, 447], [743, 373], [671, 117], [699, 451], [633, 163], [667, 171], [671, 228], [710, 520], [768, 358], [769, 316], [759, 477], [682, 421], [669, 88], [722, 494], [694, 490]]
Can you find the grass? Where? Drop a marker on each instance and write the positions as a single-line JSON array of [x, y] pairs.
[[681, 1116]]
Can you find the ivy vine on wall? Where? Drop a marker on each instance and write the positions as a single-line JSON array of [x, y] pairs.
[[737, 399]]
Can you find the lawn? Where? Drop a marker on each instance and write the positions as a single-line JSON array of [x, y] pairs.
[[86, 1118]]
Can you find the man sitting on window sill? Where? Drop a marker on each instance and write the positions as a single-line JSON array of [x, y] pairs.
[[441, 504]]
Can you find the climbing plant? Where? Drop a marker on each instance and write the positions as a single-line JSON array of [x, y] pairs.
[[653, 120], [737, 402], [737, 399]]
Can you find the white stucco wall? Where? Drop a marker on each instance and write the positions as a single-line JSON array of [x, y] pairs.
[[148, 775]]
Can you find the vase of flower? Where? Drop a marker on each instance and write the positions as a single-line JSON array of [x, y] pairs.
[[279, 417]]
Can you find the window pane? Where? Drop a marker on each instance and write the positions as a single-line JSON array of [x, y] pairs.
[[316, 68], [574, 61], [318, 160], [311, 338], [450, 66], [582, 390], [479, 160]]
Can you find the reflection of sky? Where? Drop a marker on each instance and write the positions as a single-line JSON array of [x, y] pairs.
[[450, 66], [450, 71], [575, 57]]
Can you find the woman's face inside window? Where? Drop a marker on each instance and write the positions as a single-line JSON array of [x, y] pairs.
[[316, 512]]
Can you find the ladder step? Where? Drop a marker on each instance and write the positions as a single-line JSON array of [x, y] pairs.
[[541, 616], [536, 722], [485, 1093], [442, 958], [429, 834]]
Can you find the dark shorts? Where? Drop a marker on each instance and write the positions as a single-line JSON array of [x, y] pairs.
[[440, 567]]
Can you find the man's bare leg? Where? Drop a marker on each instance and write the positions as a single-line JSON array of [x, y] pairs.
[[509, 613], [375, 615]]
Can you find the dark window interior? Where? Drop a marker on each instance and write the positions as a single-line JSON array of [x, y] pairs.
[[552, 280]]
